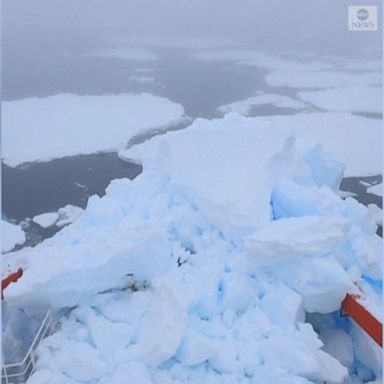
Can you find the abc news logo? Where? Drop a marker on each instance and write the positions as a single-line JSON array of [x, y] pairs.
[[362, 18]]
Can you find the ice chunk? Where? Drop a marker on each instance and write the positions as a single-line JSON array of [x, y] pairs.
[[339, 345], [82, 364], [296, 237], [47, 219], [367, 351], [315, 366], [134, 372], [161, 328], [284, 307], [322, 282], [195, 348], [11, 235], [325, 169], [68, 214], [269, 373]]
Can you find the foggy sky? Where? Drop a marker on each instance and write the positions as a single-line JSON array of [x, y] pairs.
[[303, 25]]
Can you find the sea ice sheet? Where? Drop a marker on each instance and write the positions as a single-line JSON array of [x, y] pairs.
[[41, 129]]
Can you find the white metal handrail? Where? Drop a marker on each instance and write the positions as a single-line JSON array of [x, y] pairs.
[[20, 372]]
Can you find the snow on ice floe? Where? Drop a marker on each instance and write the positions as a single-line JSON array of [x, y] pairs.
[[46, 219], [41, 129], [329, 129], [224, 292], [376, 189], [260, 59], [244, 107], [61, 217], [320, 79], [349, 99], [11, 235]]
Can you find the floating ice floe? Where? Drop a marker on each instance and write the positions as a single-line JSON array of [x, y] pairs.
[[63, 216], [349, 99], [260, 59], [329, 129], [321, 79], [11, 235], [41, 129], [46, 219], [234, 234], [376, 189], [244, 107]]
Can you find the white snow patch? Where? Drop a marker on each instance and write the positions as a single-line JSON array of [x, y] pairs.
[[47, 219], [376, 189], [316, 236], [68, 214], [331, 130], [259, 59], [244, 106], [349, 99], [322, 79], [41, 129], [11, 235], [63, 216]]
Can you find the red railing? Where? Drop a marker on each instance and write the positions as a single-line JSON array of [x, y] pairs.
[[12, 278], [372, 326]]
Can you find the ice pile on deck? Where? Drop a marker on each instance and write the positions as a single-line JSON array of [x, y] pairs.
[[231, 235]]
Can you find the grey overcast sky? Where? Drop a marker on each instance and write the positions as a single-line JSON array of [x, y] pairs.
[[305, 25]]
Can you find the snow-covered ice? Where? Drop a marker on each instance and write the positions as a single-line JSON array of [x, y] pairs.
[[46, 219], [328, 129], [229, 248], [260, 59], [349, 99], [11, 235], [61, 217], [41, 129], [244, 106], [68, 214], [321, 79], [376, 189]]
